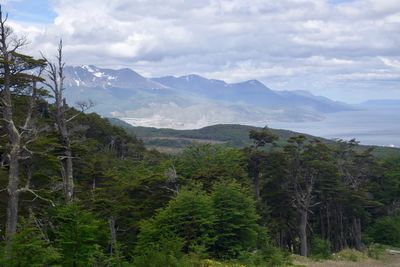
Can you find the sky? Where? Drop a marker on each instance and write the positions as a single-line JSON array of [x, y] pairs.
[[348, 50]]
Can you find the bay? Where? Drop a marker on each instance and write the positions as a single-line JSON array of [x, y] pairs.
[[369, 125]]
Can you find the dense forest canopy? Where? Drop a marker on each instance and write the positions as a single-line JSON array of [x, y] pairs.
[[79, 191]]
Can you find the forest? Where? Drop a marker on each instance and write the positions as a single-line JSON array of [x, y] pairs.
[[76, 190]]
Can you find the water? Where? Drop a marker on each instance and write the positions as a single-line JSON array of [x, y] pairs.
[[371, 126]]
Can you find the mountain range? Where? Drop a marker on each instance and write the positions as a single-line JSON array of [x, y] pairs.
[[190, 101]]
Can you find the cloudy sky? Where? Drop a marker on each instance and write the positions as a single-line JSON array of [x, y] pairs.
[[347, 50]]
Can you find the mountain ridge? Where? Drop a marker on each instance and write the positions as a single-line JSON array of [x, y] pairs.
[[190, 101]]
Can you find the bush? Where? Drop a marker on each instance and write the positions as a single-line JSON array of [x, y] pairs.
[[78, 235], [189, 217], [166, 252], [30, 248], [236, 220], [386, 231], [214, 263], [320, 249], [266, 257], [376, 251], [349, 255], [266, 254], [223, 225]]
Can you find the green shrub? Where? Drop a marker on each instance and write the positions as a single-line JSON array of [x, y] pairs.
[[266, 254], [349, 255], [376, 251], [189, 217], [222, 224], [386, 231], [78, 235], [166, 252], [30, 248], [236, 220], [320, 249]]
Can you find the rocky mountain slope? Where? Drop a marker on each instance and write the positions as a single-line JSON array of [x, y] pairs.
[[190, 101]]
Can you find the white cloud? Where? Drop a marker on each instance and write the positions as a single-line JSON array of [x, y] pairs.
[[286, 42], [395, 63]]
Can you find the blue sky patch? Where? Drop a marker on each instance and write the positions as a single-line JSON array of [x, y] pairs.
[[37, 11]]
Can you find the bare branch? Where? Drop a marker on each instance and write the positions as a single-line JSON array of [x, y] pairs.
[[64, 157], [84, 106], [26, 189], [170, 189]]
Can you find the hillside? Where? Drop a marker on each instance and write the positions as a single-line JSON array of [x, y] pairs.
[[173, 141]]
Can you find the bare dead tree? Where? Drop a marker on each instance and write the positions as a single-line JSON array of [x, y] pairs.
[[13, 134], [55, 75], [55, 82], [13, 67]]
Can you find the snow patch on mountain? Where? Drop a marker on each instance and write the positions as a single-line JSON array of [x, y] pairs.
[[190, 101]]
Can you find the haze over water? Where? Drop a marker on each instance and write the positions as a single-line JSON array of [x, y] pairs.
[[370, 126]]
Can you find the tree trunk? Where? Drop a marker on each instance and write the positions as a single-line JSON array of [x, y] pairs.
[[57, 76], [321, 219], [328, 223], [113, 235], [67, 174], [257, 185], [10, 65], [357, 233], [14, 139], [13, 195], [343, 242], [303, 233]]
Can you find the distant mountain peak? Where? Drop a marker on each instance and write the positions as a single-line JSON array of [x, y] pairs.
[[190, 100], [254, 82], [191, 77], [90, 68], [92, 76]]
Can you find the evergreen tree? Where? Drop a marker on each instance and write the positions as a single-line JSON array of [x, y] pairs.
[[236, 220], [190, 217], [31, 247], [15, 81], [77, 235], [257, 157], [207, 164]]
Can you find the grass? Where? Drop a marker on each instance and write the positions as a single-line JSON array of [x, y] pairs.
[[351, 258]]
